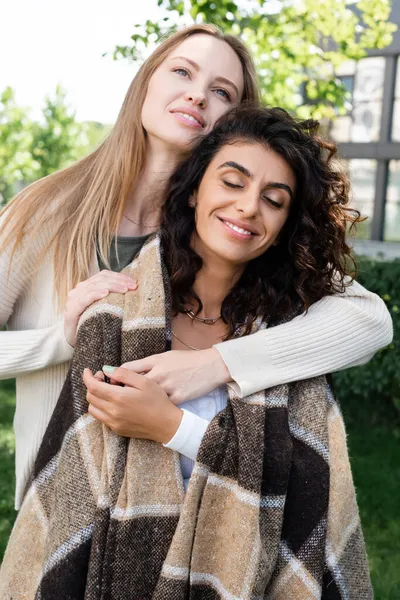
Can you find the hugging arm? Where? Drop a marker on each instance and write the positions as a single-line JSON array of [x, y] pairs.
[[338, 332]]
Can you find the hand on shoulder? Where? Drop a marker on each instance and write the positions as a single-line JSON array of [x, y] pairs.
[[85, 293]]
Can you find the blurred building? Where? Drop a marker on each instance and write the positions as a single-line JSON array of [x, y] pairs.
[[368, 137]]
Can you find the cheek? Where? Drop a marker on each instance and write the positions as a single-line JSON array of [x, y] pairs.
[[281, 222], [148, 109], [155, 96], [201, 221], [204, 220], [216, 109], [274, 221]]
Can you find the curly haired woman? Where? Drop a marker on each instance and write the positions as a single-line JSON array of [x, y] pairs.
[[257, 503]]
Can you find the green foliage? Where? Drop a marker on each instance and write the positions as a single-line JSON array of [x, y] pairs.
[[57, 139], [373, 390], [30, 150], [297, 44], [95, 133], [16, 161]]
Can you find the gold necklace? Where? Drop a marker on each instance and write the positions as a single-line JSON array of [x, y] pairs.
[[184, 343], [139, 224], [205, 320]]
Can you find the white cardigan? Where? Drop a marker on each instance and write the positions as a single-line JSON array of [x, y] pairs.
[[337, 332]]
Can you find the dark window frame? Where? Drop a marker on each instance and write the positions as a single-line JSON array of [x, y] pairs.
[[382, 151]]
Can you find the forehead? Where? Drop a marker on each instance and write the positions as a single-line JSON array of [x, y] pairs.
[[260, 160], [214, 56]]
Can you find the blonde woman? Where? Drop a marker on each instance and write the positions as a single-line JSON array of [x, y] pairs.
[[59, 234]]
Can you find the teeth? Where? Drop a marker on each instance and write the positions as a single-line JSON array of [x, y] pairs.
[[188, 117], [238, 229]]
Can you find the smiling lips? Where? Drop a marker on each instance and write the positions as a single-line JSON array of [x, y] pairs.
[[189, 117], [237, 230]]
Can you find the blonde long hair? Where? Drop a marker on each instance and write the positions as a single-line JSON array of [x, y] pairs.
[[83, 205]]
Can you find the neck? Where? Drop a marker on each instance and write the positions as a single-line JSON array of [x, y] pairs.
[[147, 197], [213, 283]]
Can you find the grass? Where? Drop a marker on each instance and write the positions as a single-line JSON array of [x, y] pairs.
[[7, 457], [375, 457]]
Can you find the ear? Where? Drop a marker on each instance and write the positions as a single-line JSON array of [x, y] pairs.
[[193, 200]]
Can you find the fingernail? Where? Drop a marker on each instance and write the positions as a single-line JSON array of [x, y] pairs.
[[104, 293], [108, 369]]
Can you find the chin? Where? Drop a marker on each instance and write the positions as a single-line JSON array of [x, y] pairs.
[[234, 262]]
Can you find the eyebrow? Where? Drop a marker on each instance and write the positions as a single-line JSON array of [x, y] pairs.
[[197, 67], [272, 185]]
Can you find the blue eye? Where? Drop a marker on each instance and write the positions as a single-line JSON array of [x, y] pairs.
[[182, 72], [224, 93]]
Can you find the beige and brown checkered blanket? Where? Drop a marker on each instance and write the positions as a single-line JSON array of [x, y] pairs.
[[270, 512]]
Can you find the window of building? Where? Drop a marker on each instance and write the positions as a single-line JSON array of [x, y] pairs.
[[362, 174], [364, 81], [396, 106], [392, 206]]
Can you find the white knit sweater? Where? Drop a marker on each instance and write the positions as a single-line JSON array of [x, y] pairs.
[[337, 332]]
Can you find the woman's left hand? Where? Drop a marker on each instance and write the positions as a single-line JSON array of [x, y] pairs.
[[140, 409], [183, 374]]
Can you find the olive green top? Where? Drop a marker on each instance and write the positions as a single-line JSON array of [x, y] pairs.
[[128, 248]]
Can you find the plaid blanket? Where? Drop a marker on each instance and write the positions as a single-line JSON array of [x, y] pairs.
[[270, 512]]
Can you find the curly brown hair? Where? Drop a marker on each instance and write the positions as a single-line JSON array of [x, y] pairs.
[[312, 259]]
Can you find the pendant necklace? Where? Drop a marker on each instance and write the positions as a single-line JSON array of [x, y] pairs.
[[205, 320]]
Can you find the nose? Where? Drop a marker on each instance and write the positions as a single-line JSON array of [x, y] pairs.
[[247, 204], [197, 98]]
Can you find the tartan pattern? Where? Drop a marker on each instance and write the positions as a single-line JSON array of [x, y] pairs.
[[270, 512]]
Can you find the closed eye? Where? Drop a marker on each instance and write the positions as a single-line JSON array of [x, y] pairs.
[[232, 185], [273, 202]]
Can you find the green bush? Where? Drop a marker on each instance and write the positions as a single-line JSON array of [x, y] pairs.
[[371, 393]]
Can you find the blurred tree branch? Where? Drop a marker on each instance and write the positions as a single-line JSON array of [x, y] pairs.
[[31, 149], [297, 44]]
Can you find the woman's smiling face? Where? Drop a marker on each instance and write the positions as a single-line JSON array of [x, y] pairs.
[[197, 83], [242, 203]]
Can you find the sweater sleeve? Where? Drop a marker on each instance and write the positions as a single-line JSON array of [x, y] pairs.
[[339, 331], [27, 349]]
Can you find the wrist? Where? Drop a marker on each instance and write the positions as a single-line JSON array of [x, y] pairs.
[[171, 424], [218, 369], [69, 333]]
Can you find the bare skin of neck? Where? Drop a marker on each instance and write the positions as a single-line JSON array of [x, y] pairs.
[[212, 285], [145, 201]]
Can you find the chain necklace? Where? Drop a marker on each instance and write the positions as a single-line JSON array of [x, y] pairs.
[[193, 317], [184, 343], [205, 320], [139, 224]]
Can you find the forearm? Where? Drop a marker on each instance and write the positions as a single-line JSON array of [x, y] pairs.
[[25, 350], [337, 332], [32, 350]]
